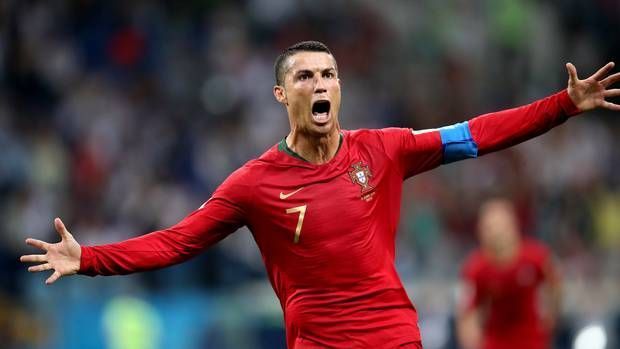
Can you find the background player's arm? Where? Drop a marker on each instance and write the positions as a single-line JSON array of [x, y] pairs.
[[220, 216], [469, 329], [468, 318], [552, 293]]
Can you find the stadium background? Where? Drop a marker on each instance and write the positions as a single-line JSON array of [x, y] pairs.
[[122, 117]]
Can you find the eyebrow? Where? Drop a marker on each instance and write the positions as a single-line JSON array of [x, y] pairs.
[[311, 71]]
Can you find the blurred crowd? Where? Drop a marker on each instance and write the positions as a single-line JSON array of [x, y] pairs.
[[122, 117]]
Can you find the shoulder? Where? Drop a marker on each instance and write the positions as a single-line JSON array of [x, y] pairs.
[[377, 133], [534, 245], [365, 140], [268, 156], [255, 167], [535, 250], [379, 137], [360, 135], [242, 181]]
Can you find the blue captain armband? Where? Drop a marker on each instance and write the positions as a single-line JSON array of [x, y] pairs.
[[457, 143]]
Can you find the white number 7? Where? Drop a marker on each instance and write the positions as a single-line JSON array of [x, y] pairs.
[[302, 213]]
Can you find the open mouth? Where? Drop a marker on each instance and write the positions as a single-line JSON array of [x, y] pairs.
[[320, 111]]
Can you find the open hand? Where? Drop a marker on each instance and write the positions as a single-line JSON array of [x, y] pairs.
[[63, 257], [590, 93]]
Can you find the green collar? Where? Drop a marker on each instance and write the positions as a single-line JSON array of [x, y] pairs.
[[282, 146]]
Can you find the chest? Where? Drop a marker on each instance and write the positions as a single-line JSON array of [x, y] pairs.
[[510, 281], [327, 208]]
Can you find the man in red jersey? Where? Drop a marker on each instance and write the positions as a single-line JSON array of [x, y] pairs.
[[323, 206], [511, 290]]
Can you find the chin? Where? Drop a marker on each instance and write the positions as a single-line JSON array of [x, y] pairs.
[[322, 130]]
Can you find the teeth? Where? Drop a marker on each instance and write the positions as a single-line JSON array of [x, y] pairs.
[[322, 117]]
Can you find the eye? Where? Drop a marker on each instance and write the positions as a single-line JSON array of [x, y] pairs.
[[304, 76], [329, 75]]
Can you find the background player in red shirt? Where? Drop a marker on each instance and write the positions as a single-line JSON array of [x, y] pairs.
[[511, 290], [323, 206]]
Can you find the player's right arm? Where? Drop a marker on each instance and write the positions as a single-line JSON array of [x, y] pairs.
[[221, 215]]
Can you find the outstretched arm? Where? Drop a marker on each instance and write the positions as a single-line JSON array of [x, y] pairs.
[[420, 151], [218, 217], [155, 250], [496, 131], [192, 235]]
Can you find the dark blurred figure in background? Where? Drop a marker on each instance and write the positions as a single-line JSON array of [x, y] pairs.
[[511, 287]]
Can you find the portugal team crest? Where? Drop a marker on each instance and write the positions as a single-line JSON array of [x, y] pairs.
[[360, 174]]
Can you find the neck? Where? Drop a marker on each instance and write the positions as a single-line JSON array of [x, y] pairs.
[[315, 149], [505, 252]]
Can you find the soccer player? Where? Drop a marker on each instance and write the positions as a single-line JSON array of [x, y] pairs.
[[511, 289], [323, 206]]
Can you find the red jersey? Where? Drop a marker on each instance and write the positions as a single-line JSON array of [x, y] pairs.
[[507, 295], [327, 232]]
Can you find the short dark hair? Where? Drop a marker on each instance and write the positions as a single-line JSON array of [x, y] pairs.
[[310, 46]]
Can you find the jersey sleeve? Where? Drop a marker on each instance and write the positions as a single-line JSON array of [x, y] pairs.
[[496, 131], [221, 215], [411, 151], [418, 151]]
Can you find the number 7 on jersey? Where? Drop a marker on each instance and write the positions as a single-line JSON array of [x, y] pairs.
[[300, 222]]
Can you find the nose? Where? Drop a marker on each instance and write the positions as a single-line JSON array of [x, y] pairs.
[[319, 85]]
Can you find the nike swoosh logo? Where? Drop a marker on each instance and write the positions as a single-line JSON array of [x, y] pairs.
[[286, 196]]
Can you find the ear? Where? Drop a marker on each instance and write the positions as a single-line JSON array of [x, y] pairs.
[[280, 93]]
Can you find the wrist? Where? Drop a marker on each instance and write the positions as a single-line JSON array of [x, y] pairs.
[[567, 102], [86, 266]]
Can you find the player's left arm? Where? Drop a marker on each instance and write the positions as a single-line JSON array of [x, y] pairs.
[[419, 151], [496, 131], [499, 130]]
